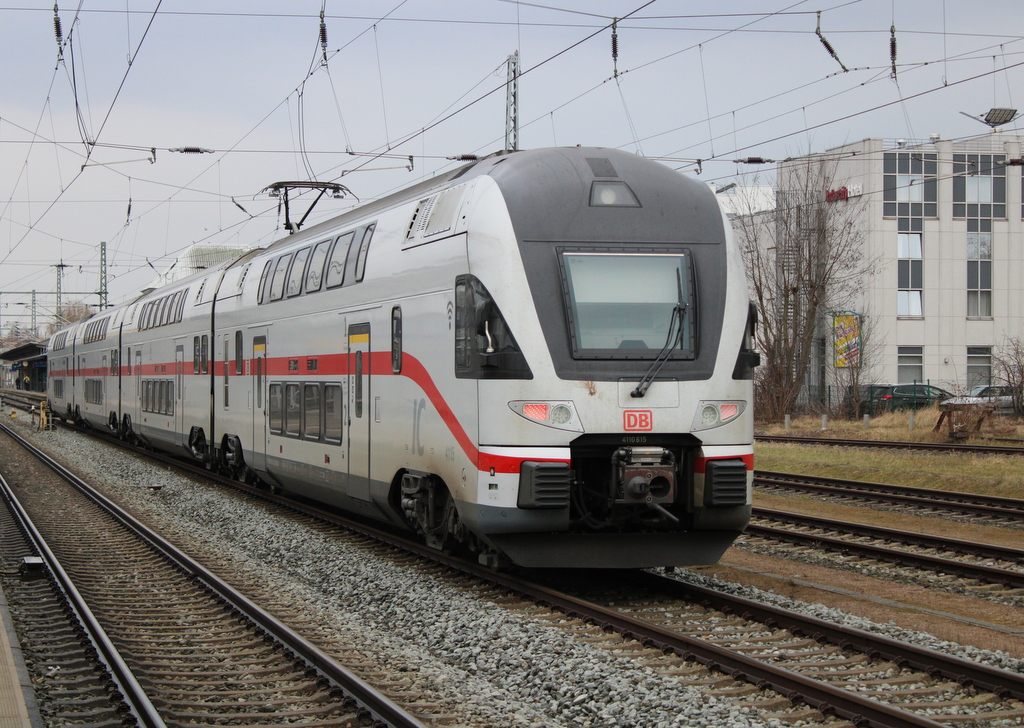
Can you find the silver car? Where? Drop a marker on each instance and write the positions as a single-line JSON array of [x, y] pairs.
[[1000, 396]]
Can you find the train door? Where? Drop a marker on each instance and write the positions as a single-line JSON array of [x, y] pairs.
[[359, 411], [177, 398], [127, 385], [258, 372]]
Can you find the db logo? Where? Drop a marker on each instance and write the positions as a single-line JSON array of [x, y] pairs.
[[637, 420]]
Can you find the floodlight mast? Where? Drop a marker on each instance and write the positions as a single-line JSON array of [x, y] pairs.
[[995, 117]]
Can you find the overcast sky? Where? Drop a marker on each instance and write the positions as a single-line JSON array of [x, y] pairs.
[[425, 78]]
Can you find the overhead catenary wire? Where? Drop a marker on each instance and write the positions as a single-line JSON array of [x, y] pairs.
[[549, 114]]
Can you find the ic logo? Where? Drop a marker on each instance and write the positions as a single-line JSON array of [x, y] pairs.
[[637, 420]]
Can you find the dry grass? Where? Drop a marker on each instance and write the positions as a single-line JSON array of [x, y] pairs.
[[990, 474], [895, 426]]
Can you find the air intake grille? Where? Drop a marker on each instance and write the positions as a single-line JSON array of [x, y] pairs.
[[725, 483], [544, 485]]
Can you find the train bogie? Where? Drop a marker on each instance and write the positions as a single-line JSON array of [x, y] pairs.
[[542, 357]]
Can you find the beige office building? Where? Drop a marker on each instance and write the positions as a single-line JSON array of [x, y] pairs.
[[943, 244]]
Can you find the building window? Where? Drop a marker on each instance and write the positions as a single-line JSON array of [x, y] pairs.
[[909, 364], [979, 185], [979, 365], [979, 273], [909, 187], [910, 269]]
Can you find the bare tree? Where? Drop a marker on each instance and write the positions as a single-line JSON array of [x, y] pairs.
[[1008, 368], [804, 259], [69, 314]]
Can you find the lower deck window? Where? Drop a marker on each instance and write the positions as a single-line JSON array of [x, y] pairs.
[[276, 409], [158, 396], [310, 410], [332, 413], [293, 410], [94, 391]]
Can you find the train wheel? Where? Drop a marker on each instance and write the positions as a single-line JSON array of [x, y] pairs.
[[233, 458], [126, 430], [431, 511]]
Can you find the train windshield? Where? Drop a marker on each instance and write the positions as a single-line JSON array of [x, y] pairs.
[[621, 306]]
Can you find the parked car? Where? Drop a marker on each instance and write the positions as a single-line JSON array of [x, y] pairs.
[[911, 396], [872, 398], [1000, 396]]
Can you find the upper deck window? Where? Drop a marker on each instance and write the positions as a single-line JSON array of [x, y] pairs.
[[623, 305]]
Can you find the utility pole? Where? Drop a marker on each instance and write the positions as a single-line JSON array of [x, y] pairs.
[[103, 276], [60, 277], [512, 104]]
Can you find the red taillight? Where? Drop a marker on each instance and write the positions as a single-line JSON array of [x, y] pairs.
[[728, 411], [537, 412]]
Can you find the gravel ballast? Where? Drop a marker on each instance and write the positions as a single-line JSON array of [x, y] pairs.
[[486, 665]]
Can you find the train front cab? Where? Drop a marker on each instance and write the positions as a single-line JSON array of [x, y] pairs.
[[611, 339], [609, 480]]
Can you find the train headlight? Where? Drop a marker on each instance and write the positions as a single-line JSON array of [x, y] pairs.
[[609, 193], [715, 414], [709, 415], [560, 415]]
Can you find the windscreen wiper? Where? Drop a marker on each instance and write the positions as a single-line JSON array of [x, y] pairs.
[[674, 339]]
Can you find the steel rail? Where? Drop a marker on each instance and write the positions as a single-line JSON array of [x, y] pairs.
[[862, 711], [935, 446], [134, 695], [817, 694], [1005, 577], [367, 697], [827, 698], [1001, 682], [983, 505], [910, 538]]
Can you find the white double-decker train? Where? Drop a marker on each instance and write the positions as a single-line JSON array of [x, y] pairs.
[[543, 357]]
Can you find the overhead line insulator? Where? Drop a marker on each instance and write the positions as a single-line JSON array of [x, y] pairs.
[[892, 49], [828, 46], [615, 46], [58, 31], [323, 35]]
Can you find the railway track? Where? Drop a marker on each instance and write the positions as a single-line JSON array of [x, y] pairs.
[[777, 660], [744, 647], [893, 445], [973, 562], [1003, 510], [911, 685], [183, 646], [77, 685]]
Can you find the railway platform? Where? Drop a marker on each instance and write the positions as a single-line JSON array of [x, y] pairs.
[[18, 707]]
